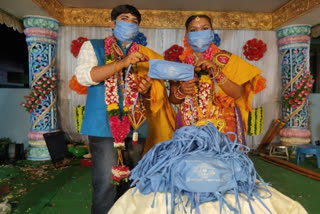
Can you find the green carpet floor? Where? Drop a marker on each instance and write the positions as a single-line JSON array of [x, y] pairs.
[[38, 188]]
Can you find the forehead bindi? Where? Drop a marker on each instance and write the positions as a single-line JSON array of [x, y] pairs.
[[199, 23]]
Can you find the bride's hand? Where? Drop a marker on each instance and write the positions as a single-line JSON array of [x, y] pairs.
[[188, 87], [205, 64]]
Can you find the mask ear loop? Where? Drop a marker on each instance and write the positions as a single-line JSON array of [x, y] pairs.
[[192, 110], [125, 88], [214, 80]]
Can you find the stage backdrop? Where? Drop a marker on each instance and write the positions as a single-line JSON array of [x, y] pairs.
[[160, 40]]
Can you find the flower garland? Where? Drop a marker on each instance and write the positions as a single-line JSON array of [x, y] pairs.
[[119, 127], [254, 49], [119, 173], [78, 115], [39, 91], [173, 53], [302, 90], [255, 121], [202, 101]]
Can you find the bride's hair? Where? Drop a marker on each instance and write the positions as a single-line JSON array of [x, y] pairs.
[[191, 18]]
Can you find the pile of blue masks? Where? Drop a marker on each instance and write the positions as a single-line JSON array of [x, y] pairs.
[[201, 163]]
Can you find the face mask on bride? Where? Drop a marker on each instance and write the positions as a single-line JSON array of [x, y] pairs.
[[200, 40], [125, 31]]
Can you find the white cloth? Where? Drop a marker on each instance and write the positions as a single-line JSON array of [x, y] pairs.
[[139, 203], [86, 61]]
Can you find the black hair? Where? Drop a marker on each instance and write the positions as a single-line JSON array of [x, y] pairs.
[[125, 8], [191, 18]]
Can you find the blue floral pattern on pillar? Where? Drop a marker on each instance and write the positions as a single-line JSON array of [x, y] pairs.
[[41, 36]]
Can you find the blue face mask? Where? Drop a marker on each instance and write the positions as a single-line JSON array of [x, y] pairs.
[[125, 31], [200, 40]]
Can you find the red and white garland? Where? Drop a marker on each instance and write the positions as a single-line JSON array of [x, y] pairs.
[[120, 126], [204, 92]]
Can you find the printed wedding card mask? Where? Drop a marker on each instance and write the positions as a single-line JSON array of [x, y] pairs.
[[167, 70]]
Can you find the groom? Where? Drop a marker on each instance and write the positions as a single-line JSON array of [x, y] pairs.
[[92, 70]]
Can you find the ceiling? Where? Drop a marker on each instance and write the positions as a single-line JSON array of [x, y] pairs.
[[19, 8], [211, 5]]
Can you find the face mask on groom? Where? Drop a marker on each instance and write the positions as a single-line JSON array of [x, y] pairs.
[[125, 31]]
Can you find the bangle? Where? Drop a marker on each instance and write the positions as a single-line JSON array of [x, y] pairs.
[[220, 78], [178, 94]]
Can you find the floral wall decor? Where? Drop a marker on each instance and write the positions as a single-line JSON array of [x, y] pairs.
[[173, 53], [216, 39], [76, 45], [75, 49], [141, 39], [254, 49]]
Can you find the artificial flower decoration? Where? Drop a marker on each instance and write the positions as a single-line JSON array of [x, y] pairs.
[[254, 49], [216, 39], [39, 91], [173, 53], [73, 83], [300, 92], [141, 39], [78, 115], [76, 45], [76, 86], [255, 121]]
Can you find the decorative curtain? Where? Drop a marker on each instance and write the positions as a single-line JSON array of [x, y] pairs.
[[11, 21], [159, 40]]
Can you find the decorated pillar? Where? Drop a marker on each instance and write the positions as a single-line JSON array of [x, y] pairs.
[[41, 35], [294, 44]]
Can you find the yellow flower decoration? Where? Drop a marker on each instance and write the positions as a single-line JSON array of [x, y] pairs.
[[109, 61], [113, 106], [205, 79], [125, 109]]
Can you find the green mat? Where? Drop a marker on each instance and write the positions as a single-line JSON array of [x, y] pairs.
[[300, 188]]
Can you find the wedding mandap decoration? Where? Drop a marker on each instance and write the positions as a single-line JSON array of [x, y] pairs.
[[294, 44], [255, 121], [41, 36]]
